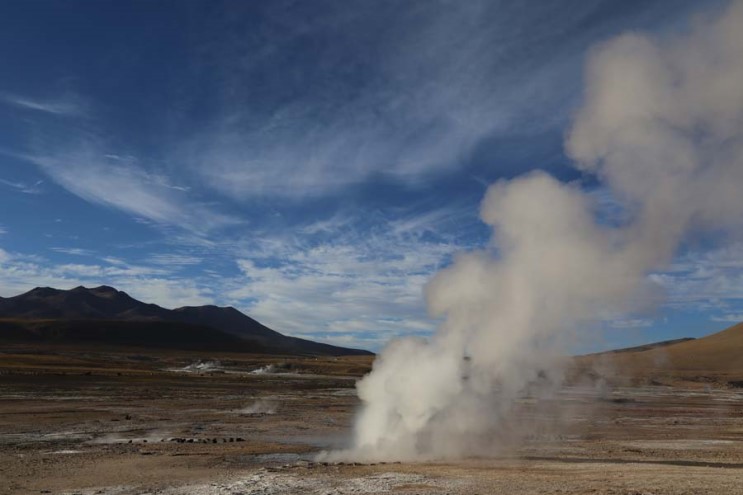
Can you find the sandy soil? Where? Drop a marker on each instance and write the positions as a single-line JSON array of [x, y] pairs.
[[86, 423]]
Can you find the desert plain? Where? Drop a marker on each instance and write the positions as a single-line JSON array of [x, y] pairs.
[[132, 421]]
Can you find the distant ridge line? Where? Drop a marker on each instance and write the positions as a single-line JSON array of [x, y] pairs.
[[644, 347], [46, 314]]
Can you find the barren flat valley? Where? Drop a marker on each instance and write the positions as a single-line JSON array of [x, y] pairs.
[[77, 421]]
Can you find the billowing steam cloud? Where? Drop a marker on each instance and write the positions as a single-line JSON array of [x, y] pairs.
[[662, 128]]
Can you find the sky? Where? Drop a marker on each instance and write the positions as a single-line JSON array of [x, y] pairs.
[[312, 164]]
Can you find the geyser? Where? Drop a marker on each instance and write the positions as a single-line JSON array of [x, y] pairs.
[[661, 129]]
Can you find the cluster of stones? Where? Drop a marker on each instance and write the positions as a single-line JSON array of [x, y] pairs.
[[204, 440]]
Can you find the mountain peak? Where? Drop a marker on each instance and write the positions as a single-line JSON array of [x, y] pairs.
[[104, 288], [105, 291], [99, 289], [43, 291]]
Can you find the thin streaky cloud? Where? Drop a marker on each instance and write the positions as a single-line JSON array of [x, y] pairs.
[[728, 317], [73, 251], [71, 107], [24, 187], [173, 259], [631, 323], [85, 172], [420, 87]]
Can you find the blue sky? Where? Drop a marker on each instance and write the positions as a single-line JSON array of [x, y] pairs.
[[310, 163]]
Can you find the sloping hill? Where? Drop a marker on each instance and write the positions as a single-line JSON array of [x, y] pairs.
[[103, 315], [227, 319], [716, 358], [653, 345]]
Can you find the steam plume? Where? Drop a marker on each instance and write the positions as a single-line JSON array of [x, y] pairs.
[[662, 127]]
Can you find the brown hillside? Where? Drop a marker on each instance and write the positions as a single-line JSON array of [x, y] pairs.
[[715, 359]]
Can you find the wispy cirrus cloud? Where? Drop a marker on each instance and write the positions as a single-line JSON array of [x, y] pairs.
[[631, 323], [73, 251], [358, 285], [390, 111], [24, 187], [174, 259], [728, 317], [87, 172], [405, 91], [307, 297], [77, 155], [708, 280], [70, 105]]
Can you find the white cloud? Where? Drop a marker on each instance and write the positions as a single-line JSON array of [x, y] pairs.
[[112, 260], [4, 256], [85, 171], [404, 92], [168, 293], [729, 317], [353, 284], [704, 279], [71, 106], [372, 342], [73, 251], [173, 259], [23, 187], [631, 323]]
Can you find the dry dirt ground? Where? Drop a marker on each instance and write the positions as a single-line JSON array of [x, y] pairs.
[[84, 422]]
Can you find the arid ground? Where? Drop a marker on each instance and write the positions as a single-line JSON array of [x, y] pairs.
[[126, 422]]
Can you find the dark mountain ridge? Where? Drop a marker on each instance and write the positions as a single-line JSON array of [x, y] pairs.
[[106, 315]]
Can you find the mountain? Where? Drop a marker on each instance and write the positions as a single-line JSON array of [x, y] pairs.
[[102, 303], [716, 358], [152, 334], [105, 315]]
